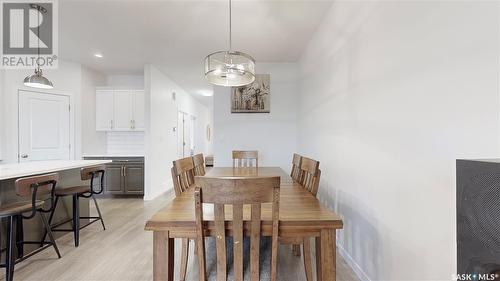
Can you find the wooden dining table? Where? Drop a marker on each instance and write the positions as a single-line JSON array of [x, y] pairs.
[[301, 215]]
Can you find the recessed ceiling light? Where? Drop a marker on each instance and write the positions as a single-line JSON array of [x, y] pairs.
[[98, 55], [205, 93]]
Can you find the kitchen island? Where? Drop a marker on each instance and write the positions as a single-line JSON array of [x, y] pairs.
[[69, 175]]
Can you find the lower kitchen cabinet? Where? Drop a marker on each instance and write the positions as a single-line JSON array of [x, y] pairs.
[[124, 176], [114, 179], [133, 180]]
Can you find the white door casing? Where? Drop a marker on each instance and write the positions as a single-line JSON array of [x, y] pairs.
[[44, 126]]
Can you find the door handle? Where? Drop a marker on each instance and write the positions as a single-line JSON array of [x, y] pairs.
[[24, 156], [111, 124], [124, 171]]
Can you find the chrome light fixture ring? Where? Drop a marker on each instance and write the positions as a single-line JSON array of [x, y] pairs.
[[238, 53]]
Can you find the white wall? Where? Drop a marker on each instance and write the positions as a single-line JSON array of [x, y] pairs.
[[125, 81], [66, 79], [70, 79], [391, 93], [273, 134], [93, 142], [161, 119]]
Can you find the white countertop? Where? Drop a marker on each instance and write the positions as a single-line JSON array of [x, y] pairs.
[[114, 155], [16, 170]]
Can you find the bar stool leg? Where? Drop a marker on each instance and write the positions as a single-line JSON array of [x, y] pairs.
[[76, 220], [9, 257], [50, 219], [99, 212], [49, 232], [19, 236]]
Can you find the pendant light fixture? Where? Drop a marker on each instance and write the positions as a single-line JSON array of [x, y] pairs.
[[229, 68], [37, 80]]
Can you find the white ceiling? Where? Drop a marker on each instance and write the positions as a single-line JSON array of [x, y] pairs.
[[177, 35]]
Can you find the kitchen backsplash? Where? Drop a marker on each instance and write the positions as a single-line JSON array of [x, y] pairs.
[[125, 143]]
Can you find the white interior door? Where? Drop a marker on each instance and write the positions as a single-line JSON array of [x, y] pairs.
[[44, 127]]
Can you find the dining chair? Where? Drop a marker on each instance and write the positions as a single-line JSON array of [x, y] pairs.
[[183, 172], [306, 172], [295, 174], [224, 193], [199, 165], [243, 159], [309, 179], [310, 175]]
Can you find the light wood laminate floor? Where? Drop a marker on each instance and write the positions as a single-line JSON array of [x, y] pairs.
[[125, 251]]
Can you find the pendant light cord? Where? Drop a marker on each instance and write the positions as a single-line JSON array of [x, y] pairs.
[[230, 28]]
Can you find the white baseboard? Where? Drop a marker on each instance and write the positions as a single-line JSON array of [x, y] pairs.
[[353, 264], [154, 196]]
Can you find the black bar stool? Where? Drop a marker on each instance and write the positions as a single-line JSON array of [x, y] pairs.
[[86, 191], [28, 187]]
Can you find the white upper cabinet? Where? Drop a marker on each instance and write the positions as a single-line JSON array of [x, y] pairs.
[[104, 110], [121, 110]]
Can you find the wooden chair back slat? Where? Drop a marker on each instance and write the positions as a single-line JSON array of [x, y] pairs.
[[23, 186], [182, 174], [237, 192], [295, 174], [220, 240], [238, 241], [255, 242], [200, 236], [245, 159], [315, 186], [310, 174], [199, 165]]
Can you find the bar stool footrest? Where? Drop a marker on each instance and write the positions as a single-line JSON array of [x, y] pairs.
[[46, 245], [94, 219]]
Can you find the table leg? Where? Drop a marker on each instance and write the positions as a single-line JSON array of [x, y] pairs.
[[163, 256], [328, 262], [318, 258]]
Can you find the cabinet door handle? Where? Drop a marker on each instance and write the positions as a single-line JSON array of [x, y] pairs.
[[121, 171], [131, 124], [124, 171], [112, 125]]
